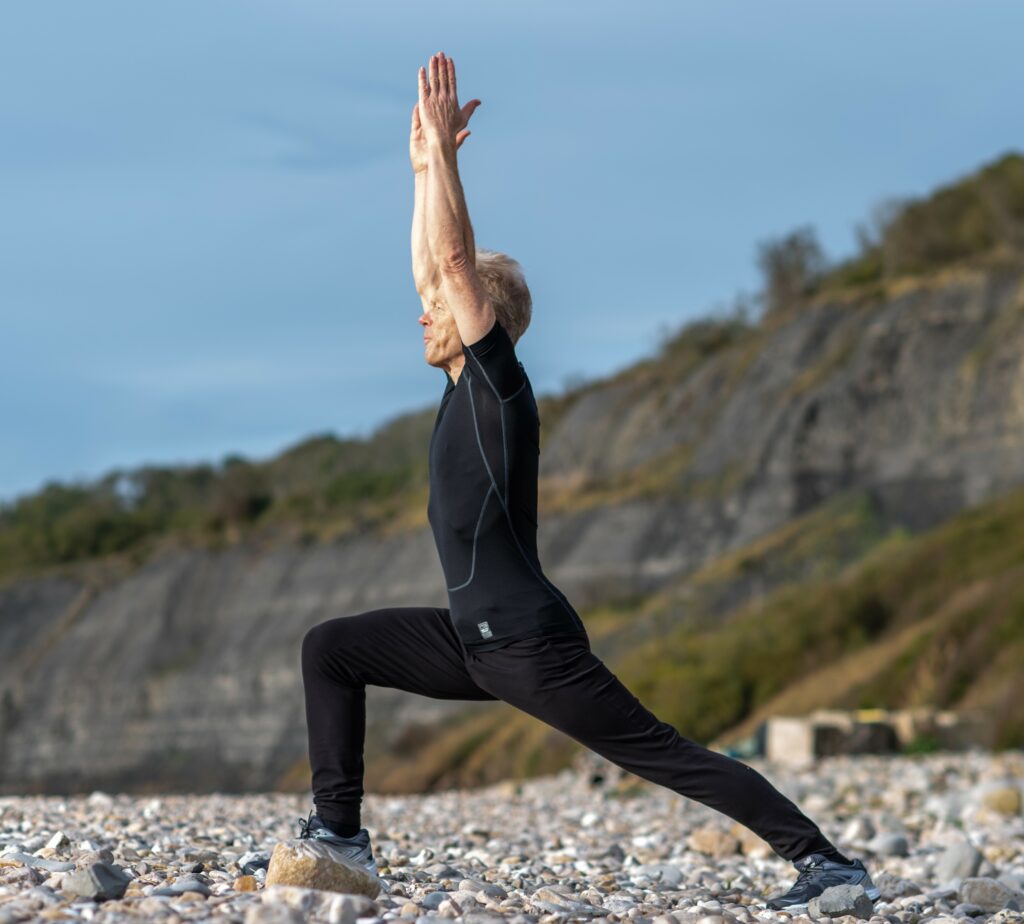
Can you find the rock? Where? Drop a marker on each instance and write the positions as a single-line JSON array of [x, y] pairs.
[[253, 860], [713, 841], [314, 865], [990, 894], [840, 900], [183, 885], [889, 845], [441, 871], [98, 881], [859, 830], [959, 860], [274, 914], [432, 900], [750, 844], [490, 889], [331, 906], [1004, 800], [967, 910], [60, 839], [410, 910], [26, 859], [891, 887], [665, 873], [245, 884]]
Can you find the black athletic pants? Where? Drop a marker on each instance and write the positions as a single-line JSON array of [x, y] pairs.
[[555, 678]]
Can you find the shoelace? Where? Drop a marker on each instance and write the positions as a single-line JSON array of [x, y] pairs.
[[806, 872], [305, 824]]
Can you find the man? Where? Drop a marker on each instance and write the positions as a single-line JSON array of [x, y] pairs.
[[508, 632]]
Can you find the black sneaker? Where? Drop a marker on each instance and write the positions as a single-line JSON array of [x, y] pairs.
[[817, 873], [356, 848]]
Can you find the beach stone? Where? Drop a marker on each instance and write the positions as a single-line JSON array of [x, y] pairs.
[[245, 884], [892, 887], [840, 900], [990, 894], [1005, 800], [274, 914], [958, 861], [312, 865], [432, 900], [25, 859], [490, 889], [334, 907], [889, 844], [60, 839], [98, 881], [665, 873], [713, 841], [183, 885]]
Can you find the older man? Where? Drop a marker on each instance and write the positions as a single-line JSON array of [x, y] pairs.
[[508, 633]]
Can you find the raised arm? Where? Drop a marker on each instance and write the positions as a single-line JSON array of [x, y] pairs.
[[449, 232], [424, 266]]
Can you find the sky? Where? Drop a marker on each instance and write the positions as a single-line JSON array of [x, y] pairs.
[[205, 206]]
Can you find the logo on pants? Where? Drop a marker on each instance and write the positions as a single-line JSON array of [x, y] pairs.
[[485, 630]]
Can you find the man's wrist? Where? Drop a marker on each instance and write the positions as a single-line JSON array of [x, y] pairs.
[[441, 145]]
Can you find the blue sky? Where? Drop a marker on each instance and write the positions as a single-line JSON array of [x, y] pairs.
[[205, 207]]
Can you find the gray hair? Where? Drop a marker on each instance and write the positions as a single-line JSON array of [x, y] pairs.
[[503, 281]]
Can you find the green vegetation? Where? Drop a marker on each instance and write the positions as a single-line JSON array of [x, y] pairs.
[[980, 216], [953, 599], [975, 216]]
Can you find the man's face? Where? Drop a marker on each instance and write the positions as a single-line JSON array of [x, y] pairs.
[[440, 334]]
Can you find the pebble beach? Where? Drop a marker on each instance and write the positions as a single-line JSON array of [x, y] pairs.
[[942, 836]]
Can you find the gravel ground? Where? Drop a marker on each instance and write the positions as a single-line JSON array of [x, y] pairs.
[[942, 836]]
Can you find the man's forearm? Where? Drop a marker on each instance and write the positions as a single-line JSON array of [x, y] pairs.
[[424, 267], [449, 231]]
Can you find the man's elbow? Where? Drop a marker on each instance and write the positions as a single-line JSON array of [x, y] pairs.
[[455, 262]]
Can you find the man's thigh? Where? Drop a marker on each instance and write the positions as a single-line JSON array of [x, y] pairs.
[[561, 682], [405, 648]]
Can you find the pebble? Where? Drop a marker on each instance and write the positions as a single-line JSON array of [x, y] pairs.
[[941, 835]]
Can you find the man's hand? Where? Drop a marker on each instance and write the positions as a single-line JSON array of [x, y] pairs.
[[440, 116], [418, 141]]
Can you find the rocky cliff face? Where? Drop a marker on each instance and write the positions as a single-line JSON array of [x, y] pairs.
[[184, 672]]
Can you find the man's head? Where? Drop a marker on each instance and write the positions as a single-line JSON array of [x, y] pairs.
[[503, 281]]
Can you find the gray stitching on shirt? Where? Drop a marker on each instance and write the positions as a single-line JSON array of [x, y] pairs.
[[472, 564], [516, 392], [508, 516], [491, 384]]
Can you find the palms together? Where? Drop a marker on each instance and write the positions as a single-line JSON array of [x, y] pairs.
[[437, 112]]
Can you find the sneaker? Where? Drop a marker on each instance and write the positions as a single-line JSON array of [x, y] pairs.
[[355, 848], [817, 873]]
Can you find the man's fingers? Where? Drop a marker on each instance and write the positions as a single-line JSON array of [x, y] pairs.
[[423, 84], [469, 109], [442, 72], [451, 78], [460, 137], [432, 74]]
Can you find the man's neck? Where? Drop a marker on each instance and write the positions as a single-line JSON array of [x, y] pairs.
[[455, 367]]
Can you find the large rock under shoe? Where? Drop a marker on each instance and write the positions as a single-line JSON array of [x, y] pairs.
[[314, 865]]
